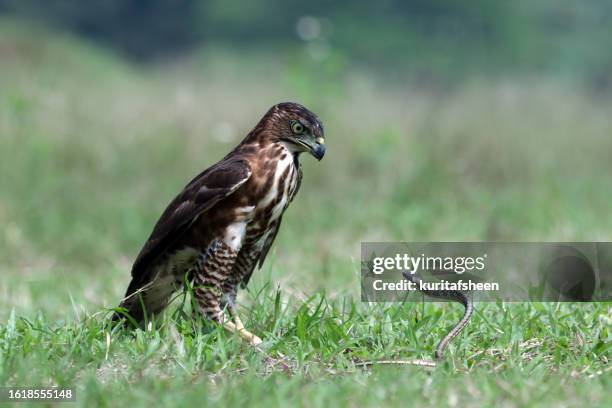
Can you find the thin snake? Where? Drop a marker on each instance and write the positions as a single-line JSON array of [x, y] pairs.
[[454, 295]]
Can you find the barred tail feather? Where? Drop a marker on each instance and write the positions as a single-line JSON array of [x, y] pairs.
[[142, 302]]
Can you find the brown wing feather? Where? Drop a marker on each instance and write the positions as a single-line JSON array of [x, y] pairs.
[[202, 193]]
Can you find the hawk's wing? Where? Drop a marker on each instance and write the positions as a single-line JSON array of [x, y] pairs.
[[202, 193]]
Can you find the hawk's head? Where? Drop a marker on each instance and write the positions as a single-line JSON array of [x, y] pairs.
[[294, 125]]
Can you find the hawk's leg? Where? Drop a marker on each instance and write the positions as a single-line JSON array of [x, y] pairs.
[[213, 269], [228, 301], [244, 333]]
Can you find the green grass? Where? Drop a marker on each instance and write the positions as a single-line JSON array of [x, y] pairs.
[[92, 149], [510, 354]]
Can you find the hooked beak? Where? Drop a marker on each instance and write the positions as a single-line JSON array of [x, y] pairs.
[[317, 149]]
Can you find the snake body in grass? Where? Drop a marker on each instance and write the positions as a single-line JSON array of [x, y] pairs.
[[450, 295]]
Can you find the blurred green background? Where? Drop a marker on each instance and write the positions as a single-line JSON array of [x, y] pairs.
[[436, 41], [477, 120], [445, 120]]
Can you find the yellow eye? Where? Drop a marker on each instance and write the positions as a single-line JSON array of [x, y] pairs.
[[297, 128]]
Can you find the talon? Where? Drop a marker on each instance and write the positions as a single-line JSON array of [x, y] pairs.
[[250, 337], [244, 333]]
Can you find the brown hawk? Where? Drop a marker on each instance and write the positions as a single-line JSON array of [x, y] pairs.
[[221, 226]]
